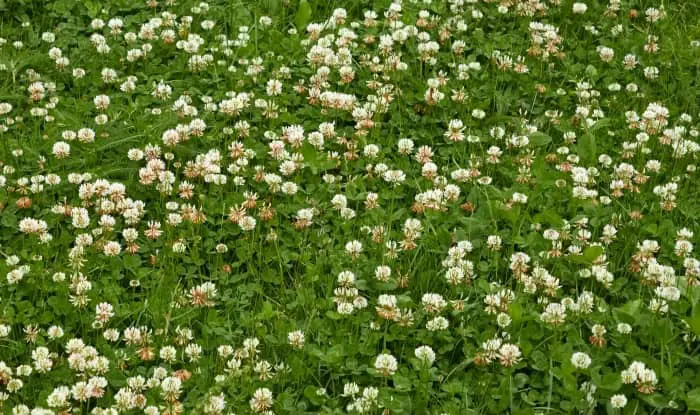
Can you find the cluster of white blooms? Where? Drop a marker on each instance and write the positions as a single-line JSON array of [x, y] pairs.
[[201, 177], [641, 376], [580, 360], [346, 295]]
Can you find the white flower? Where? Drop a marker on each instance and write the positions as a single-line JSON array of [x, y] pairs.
[[112, 248], [61, 149], [386, 364], [519, 198], [274, 87], [265, 21], [618, 401], [247, 223], [580, 360], [425, 354], [437, 324], [353, 248], [296, 339], [261, 400], [579, 8]]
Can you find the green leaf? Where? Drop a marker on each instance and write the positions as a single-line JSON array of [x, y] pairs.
[[693, 400], [402, 383], [694, 322], [521, 380], [589, 255], [539, 139], [303, 15], [592, 72], [8, 219], [605, 122], [311, 393], [548, 217], [592, 253], [587, 147], [511, 215], [629, 311], [93, 8], [610, 381], [454, 387], [656, 400], [516, 312]]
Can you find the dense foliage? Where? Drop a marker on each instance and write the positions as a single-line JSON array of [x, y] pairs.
[[417, 207]]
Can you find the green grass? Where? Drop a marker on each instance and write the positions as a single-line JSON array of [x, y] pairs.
[[282, 276]]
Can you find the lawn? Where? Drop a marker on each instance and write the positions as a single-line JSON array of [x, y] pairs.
[[327, 207]]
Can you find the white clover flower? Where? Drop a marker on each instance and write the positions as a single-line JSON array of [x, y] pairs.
[[618, 401], [261, 401], [425, 354], [580, 360], [579, 8], [386, 364]]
